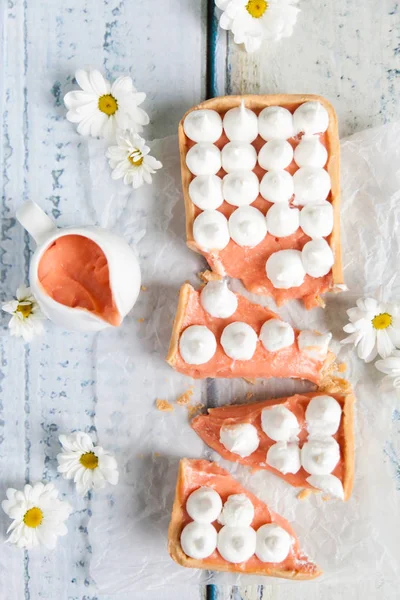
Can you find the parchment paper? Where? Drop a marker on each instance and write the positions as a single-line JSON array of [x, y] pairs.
[[128, 529]]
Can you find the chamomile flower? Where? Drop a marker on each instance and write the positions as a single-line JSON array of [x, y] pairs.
[[374, 328], [27, 318], [100, 108], [252, 21], [38, 516], [391, 367], [88, 465], [131, 160]]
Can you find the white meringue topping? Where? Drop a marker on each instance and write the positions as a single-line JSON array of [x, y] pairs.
[[241, 124], [319, 456], [199, 540], [238, 511], [241, 439], [317, 258], [279, 423], [239, 341], [218, 300], [203, 125], [273, 543], [204, 505], [311, 185], [247, 226], [275, 154], [282, 220], [316, 220], [275, 123], [205, 192], [310, 152], [210, 230], [240, 188], [314, 344], [236, 544], [276, 334], [285, 269], [330, 484], [277, 186], [197, 345], [203, 159], [310, 118], [238, 156], [323, 415], [284, 457]]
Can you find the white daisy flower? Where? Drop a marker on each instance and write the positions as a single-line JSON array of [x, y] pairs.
[[27, 318], [131, 159], [100, 108], [251, 21], [391, 367], [38, 516], [88, 465], [374, 328]]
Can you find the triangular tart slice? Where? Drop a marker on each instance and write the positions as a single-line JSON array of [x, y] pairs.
[[305, 356], [202, 475], [327, 429]]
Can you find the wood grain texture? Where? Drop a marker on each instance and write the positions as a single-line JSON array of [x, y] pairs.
[[47, 387]]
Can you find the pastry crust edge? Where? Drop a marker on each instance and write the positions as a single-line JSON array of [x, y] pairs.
[[254, 101]]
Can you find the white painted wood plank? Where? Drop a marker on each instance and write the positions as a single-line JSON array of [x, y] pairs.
[[347, 51], [51, 386]]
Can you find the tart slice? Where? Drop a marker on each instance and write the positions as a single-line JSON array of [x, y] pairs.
[[219, 525], [218, 333], [260, 176], [306, 439]]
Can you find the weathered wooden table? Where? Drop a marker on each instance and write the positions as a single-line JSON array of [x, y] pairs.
[[348, 51]]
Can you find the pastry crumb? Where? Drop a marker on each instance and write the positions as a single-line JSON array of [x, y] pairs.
[[164, 405], [249, 395], [251, 381], [320, 301], [304, 494], [143, 288], [207, 276], [141, 320], [156, 454], [341, 367], [185, 398], [194, 408], [326, 498]]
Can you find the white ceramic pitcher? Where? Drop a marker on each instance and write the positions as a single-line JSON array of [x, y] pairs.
[[123, 265]]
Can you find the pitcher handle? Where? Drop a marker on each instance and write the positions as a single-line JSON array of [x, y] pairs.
[[35, 221]]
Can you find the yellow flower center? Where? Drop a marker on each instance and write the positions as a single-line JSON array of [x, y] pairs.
[[33, 517], [136, 158], [25, 310], [256, 8], [382, 321], [89, 460], [108, 104]]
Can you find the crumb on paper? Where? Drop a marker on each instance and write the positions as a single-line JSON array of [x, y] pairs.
[[207, 276], [251, 381], [326, 498], [342, 367], [185, 398], [141, 320], [143, 288], [249, 395], [304, 494], [164, 405], [194, 408], [156, 454]]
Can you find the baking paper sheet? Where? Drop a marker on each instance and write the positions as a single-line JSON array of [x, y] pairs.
[[128, 530]]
